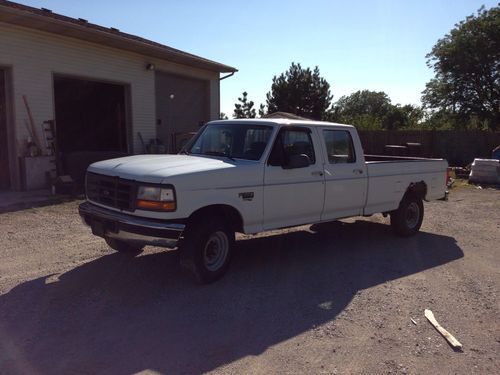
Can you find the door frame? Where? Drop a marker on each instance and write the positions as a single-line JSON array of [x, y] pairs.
[[340, 170], [12, 148], [290, 184]]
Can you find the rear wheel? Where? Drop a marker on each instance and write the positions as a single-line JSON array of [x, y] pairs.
[[123, 247], [407, 219], [206, 248]]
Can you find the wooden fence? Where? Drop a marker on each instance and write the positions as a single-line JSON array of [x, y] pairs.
[[458, 147]]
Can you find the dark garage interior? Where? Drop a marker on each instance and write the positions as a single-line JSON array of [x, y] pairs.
[[90, 123], [4, 152]]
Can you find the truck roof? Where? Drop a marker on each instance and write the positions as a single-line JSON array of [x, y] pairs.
[[282, 121]]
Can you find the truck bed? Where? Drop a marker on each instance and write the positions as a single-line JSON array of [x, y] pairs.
[[390, 176], [393, 159]]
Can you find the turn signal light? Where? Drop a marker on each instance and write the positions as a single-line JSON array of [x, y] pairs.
[[155, 205]]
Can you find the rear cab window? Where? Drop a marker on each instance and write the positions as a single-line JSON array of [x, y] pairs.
[[339, 146]]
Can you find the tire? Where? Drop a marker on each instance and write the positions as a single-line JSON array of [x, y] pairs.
[[407, 219], [206, 248], [123, 247]]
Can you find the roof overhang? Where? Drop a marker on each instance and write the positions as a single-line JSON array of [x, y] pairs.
[[47, 21]]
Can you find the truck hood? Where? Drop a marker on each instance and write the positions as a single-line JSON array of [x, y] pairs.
[[156, 168]]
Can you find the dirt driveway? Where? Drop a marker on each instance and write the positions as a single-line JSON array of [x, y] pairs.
[[336, 298]]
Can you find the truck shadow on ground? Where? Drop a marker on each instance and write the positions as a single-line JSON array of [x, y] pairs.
[[122, 315]]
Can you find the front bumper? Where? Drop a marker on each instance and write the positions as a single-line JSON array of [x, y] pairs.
[[129, 228]]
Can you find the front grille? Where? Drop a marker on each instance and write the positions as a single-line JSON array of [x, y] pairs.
[[111, 191]]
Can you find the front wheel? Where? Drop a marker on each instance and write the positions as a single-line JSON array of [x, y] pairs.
[[206, 248], [407, 219]]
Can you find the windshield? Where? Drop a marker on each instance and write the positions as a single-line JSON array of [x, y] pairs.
[[240, 141]]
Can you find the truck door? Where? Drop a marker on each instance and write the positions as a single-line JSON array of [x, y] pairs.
[[293, 196], [345, 173]]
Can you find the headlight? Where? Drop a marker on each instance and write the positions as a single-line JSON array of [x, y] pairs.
[[156, 198]]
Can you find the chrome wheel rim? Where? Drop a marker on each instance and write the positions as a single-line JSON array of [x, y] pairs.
[[412, 215], [215, 251]]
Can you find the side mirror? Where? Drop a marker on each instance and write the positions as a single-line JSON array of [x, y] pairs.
[[297, 161]]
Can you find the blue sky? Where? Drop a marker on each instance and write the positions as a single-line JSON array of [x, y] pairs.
[[377, 45]]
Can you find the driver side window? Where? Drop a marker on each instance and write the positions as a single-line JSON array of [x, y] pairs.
[[292, 142]]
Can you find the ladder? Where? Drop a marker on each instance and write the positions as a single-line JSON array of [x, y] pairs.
[[49, 129]]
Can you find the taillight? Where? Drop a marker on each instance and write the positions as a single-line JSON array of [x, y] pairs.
[[447, 176]]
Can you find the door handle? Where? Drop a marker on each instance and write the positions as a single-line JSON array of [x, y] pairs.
[[317, 173], [357, 171]]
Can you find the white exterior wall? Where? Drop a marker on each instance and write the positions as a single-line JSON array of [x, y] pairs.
[[34, 57]]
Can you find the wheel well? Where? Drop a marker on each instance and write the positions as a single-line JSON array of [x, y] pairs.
[[418, 189], [229, 213]]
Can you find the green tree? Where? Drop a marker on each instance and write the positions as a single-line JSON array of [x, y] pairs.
[[444, 120], [244, 109], [373, 110], [466, 64], [414, 115], [402, 117], [365, 109], [300, 91], [364, 102], [223, 116]]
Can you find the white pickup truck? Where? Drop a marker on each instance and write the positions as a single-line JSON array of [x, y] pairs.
[[251, 176]]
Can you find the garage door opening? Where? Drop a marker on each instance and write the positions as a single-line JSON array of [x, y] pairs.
[[90, 123], [4, 151]]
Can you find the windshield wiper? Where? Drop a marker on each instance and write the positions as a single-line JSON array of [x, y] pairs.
[[218, 153], [183, 152]]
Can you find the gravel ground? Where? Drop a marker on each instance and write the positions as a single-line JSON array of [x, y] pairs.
[[336, 298]]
